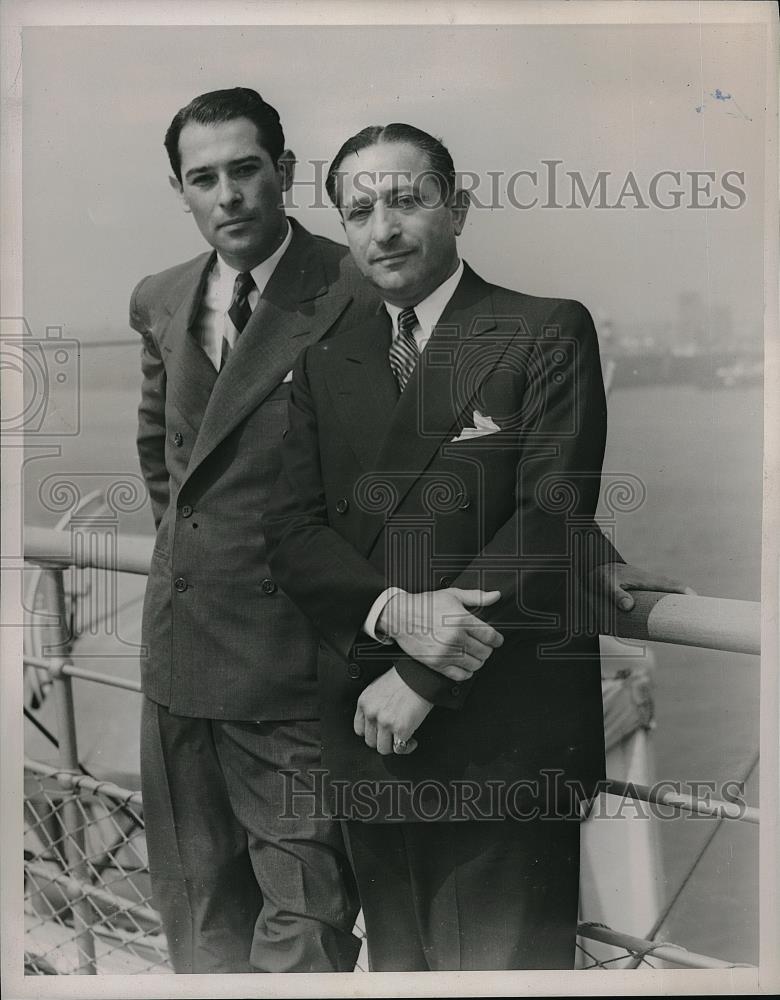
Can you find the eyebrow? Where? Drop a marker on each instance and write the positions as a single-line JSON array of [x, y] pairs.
[[194, 171]]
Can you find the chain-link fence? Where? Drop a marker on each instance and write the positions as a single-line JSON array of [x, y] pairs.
[[88, 906], [87, 893]]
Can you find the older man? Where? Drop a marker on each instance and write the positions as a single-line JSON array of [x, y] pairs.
[[438, 488]]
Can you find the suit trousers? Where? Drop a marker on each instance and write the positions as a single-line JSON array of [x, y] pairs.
[[241, 884], [490, 894]]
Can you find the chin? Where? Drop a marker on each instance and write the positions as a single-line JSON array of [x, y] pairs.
[[391, 282], [244, 248]]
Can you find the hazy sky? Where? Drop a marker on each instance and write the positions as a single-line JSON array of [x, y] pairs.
[[99, 214]]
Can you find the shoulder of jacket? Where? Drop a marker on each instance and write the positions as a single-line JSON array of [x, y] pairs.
[[157, 287], [329, 247], [538, 308], [338, 262], [343, 276]]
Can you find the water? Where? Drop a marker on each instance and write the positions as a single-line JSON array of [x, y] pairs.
[[699, 455]]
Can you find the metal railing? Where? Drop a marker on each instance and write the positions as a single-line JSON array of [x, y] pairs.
[[102, 915]]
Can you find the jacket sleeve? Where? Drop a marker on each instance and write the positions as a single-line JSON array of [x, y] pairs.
[[150, 439], [319, 570], [557, 491]]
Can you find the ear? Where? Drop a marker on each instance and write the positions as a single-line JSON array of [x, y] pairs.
[[286, 168], [176, 185], [459, 207]]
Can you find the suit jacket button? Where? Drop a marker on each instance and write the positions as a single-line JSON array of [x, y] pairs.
[[268, 587], [444, 581], [354, 671], [180, 584], [455, 691], [342, 506], [178, 440], [186, 510]]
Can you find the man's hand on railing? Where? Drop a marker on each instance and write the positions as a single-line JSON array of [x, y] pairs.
[[612, 583]]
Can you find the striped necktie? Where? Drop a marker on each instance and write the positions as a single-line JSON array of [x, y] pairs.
[[239, 311], [403, 350]]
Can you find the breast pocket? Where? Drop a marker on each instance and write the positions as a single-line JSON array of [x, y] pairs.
[[280, 394]]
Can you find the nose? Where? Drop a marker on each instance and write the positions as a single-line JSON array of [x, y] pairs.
[[229, 192], [386, 224]]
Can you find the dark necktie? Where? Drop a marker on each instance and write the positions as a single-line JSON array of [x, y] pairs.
[[403, 350], [240, 310]]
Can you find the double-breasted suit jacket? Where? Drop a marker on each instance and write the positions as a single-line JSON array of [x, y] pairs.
[[484, 473], [221, 639]]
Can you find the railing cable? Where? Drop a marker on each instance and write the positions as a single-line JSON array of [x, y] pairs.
[[661, 920]]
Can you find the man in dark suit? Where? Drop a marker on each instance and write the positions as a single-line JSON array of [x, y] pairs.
[[229, 676], [433, 517]]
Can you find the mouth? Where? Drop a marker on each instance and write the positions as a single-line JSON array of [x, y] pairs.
[[388, 258], [234, 222]]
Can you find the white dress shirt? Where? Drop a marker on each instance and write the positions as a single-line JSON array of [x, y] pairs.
[[213, 322], [428, 313]]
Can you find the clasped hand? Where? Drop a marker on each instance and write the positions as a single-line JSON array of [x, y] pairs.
[[438, 629], [387, 711]]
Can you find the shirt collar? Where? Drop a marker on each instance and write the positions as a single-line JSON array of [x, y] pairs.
[[226, 275], [428, 312]]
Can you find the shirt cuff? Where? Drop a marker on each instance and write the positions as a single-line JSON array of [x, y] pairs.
[[369, 625]]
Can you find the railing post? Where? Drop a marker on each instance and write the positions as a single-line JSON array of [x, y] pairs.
[[53, 590]]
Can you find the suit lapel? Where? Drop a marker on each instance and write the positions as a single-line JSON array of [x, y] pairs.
[[363, 388], [190, 373], [292, 313]]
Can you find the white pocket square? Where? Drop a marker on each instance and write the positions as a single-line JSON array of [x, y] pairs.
[[287, 377], [482, 426]]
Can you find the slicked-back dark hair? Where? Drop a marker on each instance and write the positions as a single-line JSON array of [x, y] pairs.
[[224, 106], [439, 160]]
